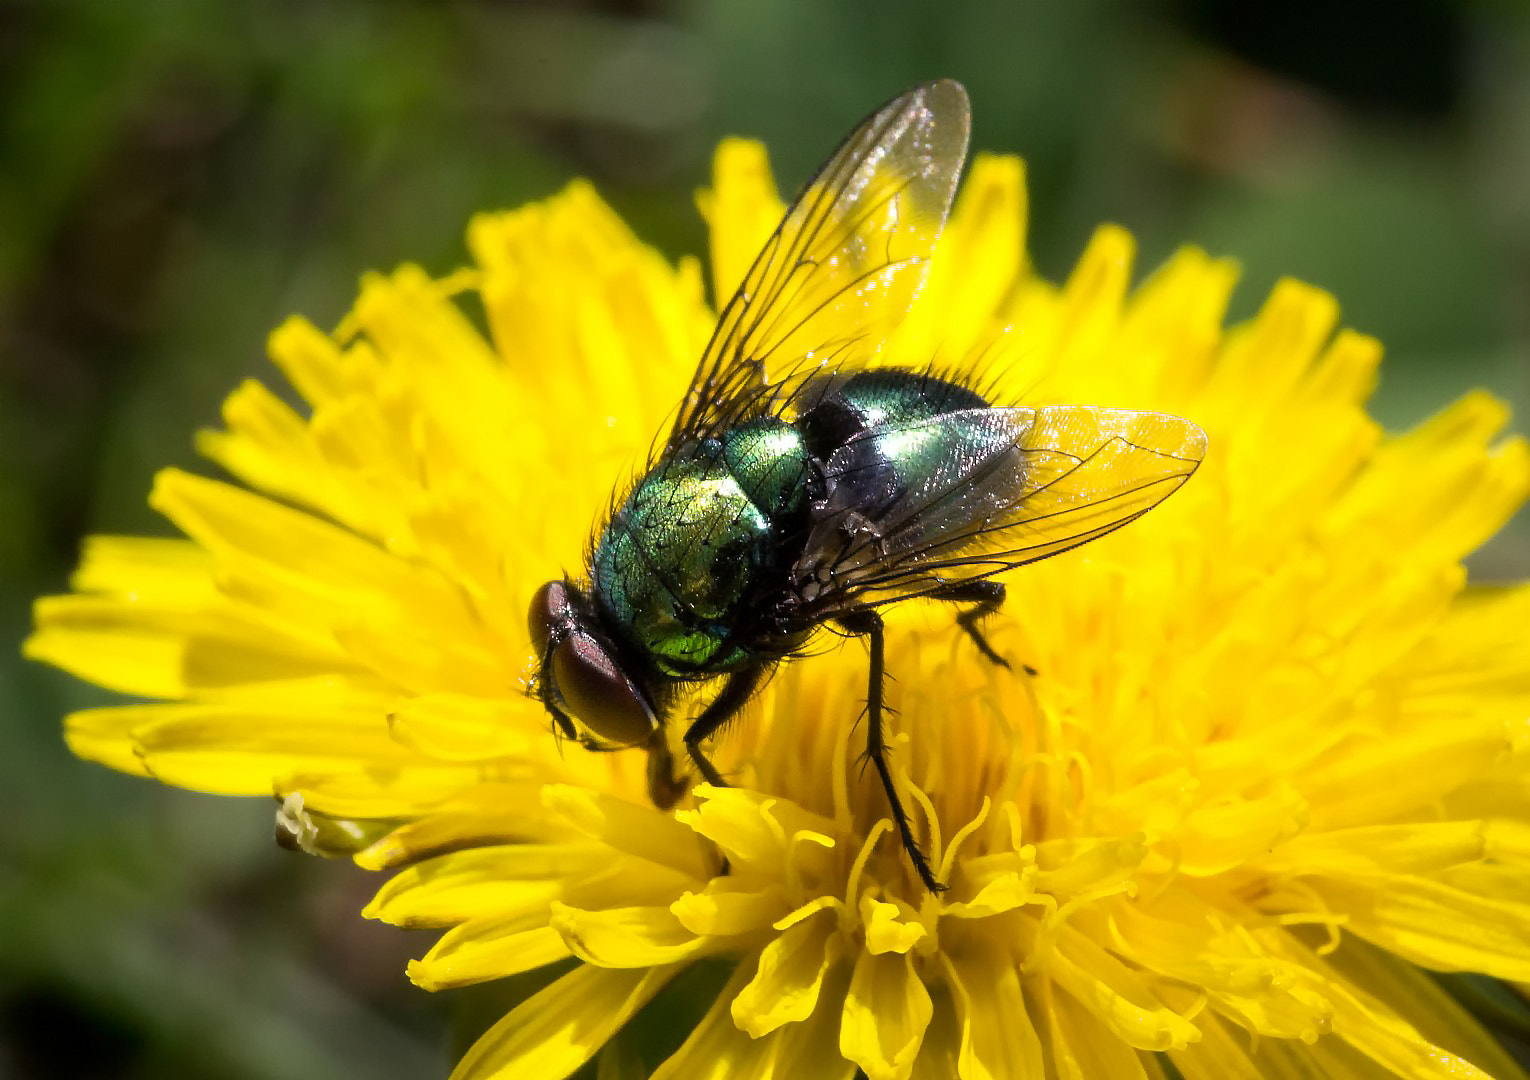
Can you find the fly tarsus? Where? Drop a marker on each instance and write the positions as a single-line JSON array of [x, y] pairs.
[[986, 597]]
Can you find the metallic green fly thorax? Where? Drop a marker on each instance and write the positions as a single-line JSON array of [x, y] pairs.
[[683, 553], [768, 458]]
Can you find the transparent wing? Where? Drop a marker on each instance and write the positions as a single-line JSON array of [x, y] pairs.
[[916, 507], [851, 252]]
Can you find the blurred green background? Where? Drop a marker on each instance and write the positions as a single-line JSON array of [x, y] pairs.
[[177, 176]]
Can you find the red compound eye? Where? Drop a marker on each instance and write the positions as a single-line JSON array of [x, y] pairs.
[[550, 615], [598, 695], [581, 679]]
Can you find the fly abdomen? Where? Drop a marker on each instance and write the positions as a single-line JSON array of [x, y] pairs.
[[912, 463], [840, 407], [871, 475]]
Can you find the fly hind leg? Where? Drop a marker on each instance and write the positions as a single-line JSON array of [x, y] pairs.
[[986, 597], [868, 624]]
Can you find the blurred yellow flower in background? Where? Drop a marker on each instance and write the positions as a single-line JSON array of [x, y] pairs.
[[1274, 761]]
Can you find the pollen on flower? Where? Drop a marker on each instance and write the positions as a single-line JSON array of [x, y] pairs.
[[1258, 762]]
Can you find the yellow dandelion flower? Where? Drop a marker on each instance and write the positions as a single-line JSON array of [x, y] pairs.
[[1273, 764]]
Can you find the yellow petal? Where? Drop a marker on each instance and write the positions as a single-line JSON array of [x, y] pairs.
[[559, 1028], [1003, 893], [886, 929], [1264, 359], [1172, 330], [788, 977], [1328, 1057], [998, 1040], [323, 575], [1393, 1044], [886, 1012], [359, 792], [310, 359], [1460, 490], [811, 1047], [627, 937], [224, 518], [106, 735], [760, 833], [271, 448], [1424, 1004], [1380, 779], [490, 948], [639, 830], [1222, 1053], [1093, 296], [717, 1050], [1414, 848], [456, 727], [1222, 834], [723, 910], [1346, 373], [957, 308], [1435, 924], [1112, 992], [171, 572], [453, 888], [1067, 866], [245, 749], [1238, 974], [742, 209], [1082, 1047], [430, 341], [939, 1053], [485, 815], [127, 647]]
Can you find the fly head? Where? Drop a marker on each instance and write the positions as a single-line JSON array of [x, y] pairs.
[[580, 676]]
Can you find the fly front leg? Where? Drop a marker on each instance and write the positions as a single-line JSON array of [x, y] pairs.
[[664, 786], [868, 624], [734, 695]]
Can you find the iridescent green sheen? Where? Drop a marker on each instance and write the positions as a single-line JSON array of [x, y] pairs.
[[677, 567], [676, 563], [768, 458], [896, 403], [890, 396]]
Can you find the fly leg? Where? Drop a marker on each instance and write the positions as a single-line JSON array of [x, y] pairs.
[[735, 693], [868, 624], [739, 688], [664, 787], [986, 597]]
